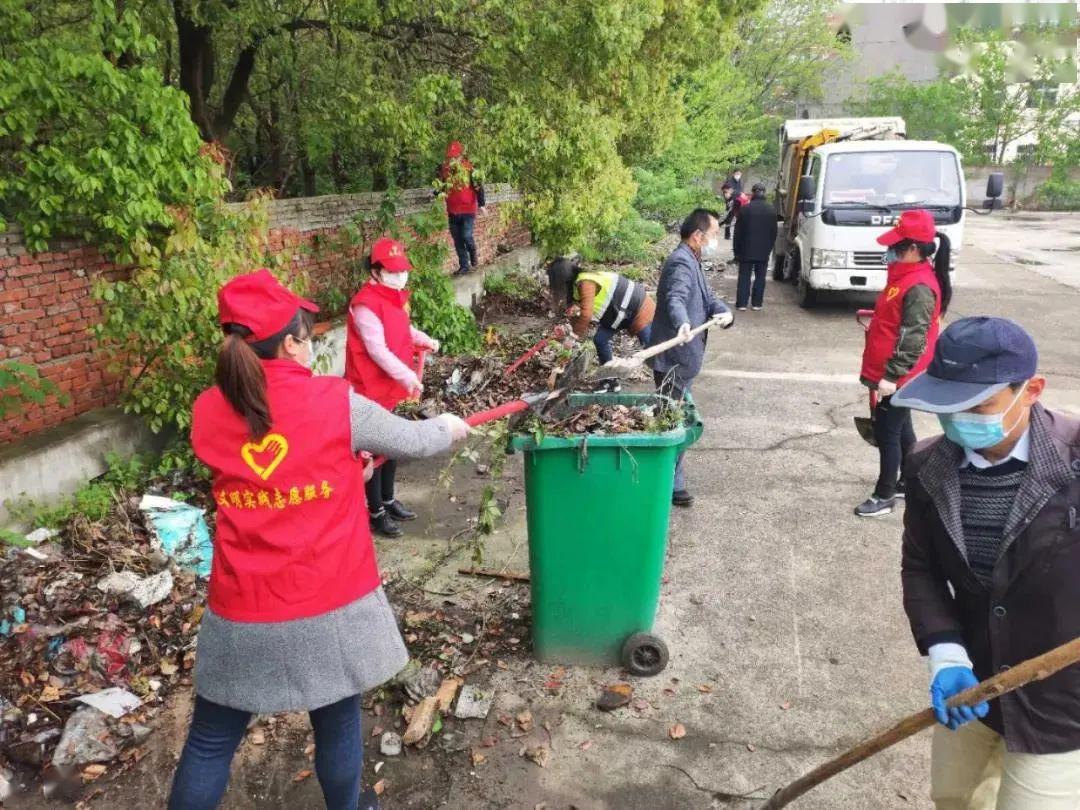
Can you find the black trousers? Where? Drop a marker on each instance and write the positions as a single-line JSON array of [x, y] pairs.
[[743, 293], [380, 489], [895, 437]]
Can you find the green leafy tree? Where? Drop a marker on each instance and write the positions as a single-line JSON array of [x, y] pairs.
[[774, 56], [91, 142]]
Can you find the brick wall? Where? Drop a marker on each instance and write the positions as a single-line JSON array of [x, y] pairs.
[[48, 305]]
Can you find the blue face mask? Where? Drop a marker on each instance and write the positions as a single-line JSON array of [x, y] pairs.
[[891, 256], [978, 431]]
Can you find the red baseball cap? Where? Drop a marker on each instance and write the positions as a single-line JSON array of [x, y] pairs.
[[917, 224], [260, 302], [455, 149], [389, 254]]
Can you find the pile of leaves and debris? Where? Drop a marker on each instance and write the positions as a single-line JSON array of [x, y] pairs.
[[453, 648], [470, 383], [513, 294], [608, 420], [97, 625]]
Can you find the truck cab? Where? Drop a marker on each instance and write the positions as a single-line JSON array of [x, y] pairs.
[[844, 182]]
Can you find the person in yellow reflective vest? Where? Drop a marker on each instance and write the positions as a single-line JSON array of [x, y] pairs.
[[611, 301]]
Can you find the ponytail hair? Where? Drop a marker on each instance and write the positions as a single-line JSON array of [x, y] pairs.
[[942, 260], [942, 253], [240, 375]]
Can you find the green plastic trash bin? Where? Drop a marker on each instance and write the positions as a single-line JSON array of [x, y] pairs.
[[597, 514]]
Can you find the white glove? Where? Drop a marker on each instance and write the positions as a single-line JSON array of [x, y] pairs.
[[458, 427], [947, 654], [435, 346], [886, 388], [724, 319], [414, 386], [684, 332]]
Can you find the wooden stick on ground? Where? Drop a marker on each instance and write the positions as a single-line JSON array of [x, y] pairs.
[[1034, 669], [488, 572]]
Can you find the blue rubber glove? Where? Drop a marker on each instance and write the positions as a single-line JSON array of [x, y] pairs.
[[948, 682]]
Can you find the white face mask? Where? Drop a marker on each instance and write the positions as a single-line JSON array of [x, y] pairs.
[[395, 281], [711, 249], [310, 351]]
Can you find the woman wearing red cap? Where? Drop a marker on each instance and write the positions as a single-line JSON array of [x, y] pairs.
[[296, 616], [380, 348], [464, 197], [900, 342]]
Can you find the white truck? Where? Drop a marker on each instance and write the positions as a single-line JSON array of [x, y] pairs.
[[842, 183]]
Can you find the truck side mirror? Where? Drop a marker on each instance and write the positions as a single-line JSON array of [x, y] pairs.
[[995, 187], [807, 188]]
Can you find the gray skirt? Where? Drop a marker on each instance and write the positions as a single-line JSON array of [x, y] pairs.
[[299, 665]]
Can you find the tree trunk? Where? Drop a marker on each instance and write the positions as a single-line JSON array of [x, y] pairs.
[[195, 54]]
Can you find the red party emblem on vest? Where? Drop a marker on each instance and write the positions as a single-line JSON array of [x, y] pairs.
[[264, 456]]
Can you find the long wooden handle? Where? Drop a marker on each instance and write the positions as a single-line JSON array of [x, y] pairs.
[[1034, 669], [660, 348]]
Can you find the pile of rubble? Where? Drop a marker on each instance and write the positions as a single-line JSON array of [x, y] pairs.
[[451, 647], [97, 625]]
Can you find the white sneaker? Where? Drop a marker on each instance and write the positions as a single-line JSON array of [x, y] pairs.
[[757, 309]]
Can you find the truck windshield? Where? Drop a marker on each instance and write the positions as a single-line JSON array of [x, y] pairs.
[[892, 179]]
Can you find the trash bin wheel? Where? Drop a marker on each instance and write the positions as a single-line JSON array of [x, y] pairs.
[[644, 654]]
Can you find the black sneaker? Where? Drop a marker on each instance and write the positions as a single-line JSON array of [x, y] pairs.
[[681, 497], [901, 490], [369, 799], [384, 526], [875, 507], [398, 511]]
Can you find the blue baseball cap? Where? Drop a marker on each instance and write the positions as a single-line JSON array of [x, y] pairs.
[[973, 360]]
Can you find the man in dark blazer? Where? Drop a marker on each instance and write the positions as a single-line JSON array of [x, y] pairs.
[[685, 301], [990, 566], [755, 236]]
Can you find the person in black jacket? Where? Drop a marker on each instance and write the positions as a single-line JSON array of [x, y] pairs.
[[755, 235]]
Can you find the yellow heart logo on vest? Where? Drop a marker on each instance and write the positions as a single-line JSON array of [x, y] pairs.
[[892, 293], [274, 444]]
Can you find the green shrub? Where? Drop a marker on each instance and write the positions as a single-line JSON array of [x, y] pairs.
[[514, 284], [631, 241], [1060, 192], [660, 196]]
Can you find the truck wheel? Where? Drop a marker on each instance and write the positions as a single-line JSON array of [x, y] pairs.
[[644, 655], [778, 268], [805, 294]]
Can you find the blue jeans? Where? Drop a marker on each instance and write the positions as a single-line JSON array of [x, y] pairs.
[[743, 294], [675, 386], [602, 341], [461, 231], [216, 731]]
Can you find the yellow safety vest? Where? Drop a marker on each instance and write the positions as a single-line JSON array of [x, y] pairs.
[[606, 282]]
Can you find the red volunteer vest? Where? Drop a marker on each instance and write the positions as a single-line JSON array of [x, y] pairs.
[[461, 200], [292, 537], [367, 377], [889, 314]]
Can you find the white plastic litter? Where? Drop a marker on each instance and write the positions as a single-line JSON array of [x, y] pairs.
[[115, 702]]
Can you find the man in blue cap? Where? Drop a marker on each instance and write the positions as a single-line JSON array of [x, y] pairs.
[[991, 567]]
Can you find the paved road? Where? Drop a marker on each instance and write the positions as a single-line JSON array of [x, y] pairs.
[[778, 598]]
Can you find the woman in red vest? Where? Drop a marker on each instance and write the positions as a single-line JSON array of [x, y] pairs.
[[900, 343], [380, 351], [296, 616]]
